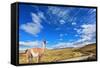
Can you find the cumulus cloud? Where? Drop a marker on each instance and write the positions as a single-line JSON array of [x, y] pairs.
[[62, 45], [89, 28], [35, 26], [87, 36], [91, 11], [23, 45], [78, 30], [36, 18], [59, 11], [87, 32], [60, 39], [73, 23], [31, 28], [22, 49], [62, 22], [41, 15], [30, 43], [83, 44], [63, 14], [76, 35]]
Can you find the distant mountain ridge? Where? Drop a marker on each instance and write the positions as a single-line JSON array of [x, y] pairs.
[[75, 47]]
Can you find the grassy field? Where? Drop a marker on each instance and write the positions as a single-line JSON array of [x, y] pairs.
[[56, 55]]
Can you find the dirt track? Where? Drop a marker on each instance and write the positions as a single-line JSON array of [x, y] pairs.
[[79, 58]]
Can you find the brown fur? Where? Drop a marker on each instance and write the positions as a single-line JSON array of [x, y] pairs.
[[38, 51]]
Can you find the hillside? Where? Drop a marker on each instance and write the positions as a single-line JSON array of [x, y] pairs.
[[65, 54], [87, 50]]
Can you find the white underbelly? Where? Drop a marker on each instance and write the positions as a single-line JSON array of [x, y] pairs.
[[34, 54]]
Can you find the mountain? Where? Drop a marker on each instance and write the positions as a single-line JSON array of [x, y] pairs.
[[91, 48], [88, 50]]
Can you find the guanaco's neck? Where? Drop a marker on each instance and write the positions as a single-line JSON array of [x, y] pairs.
[[44, 45]]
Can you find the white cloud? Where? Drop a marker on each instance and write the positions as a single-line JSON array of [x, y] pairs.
[[88, 28], [71, 44], [33, 27], [23, 45], [83, 44], [76, 35], [41, 15], [36, 18], [87, 33], [59, 11], [60, 39], [91, 11], [30, 43], [87, 36], [62, 45], [73, 23], [62, 22], [78, 30], [22, 49], [63, 14]]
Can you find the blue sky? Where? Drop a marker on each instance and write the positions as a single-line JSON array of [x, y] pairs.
[[59, 26]]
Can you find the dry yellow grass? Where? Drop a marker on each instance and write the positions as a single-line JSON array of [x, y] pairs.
[[60, 54]]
